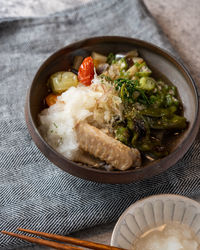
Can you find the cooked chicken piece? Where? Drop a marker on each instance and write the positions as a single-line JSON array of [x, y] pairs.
[[106, 148], [86, 158]]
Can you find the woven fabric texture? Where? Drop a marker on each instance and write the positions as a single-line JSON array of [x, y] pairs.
[[34, 193]]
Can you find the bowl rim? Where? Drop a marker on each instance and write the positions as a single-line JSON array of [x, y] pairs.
[[142, 202], [170, 158]]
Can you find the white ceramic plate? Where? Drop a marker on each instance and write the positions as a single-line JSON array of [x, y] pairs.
[[152, 212]]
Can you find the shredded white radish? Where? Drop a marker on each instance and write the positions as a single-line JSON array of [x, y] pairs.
[[98, 103]]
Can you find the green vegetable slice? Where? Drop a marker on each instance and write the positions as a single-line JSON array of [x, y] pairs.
[[122, 134], [157, 112], [61, 81], [175, 122], [110, 58], [143, 74], [147, 83]]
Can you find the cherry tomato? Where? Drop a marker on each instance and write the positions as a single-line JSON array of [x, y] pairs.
[[51, 99], [86, 71]]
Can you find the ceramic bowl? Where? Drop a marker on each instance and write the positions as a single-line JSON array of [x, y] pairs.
[[162, 63], [152, 212]]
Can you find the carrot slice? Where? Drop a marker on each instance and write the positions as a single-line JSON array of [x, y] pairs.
[[51, 99]]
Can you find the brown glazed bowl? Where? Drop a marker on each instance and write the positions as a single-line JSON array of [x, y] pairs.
[[158, 59]]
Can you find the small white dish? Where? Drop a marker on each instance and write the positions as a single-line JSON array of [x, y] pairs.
[[152, 212]]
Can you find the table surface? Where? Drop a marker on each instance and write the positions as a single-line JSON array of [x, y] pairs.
[[180, 21]]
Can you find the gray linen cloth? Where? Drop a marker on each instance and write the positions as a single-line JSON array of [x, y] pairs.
[[34, 193]]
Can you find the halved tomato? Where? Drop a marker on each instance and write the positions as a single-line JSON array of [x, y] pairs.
[[86, 71]]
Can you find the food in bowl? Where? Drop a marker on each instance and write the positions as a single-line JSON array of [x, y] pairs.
[[109, 111], [169, 236], [165, 221]]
